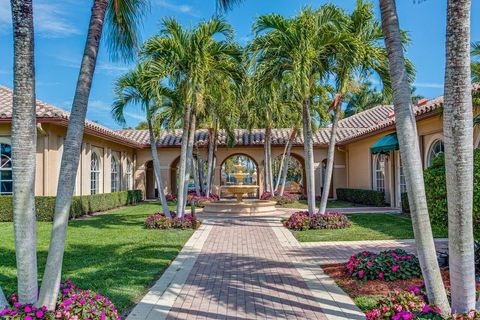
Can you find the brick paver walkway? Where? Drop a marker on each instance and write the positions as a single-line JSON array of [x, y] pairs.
[[244, 273]]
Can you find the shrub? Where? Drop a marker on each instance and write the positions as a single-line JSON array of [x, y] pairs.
[[330, 220], [436, 192], [171, 197], [387, 265], [73, 303], [362, 196], [161, 221], [280, 200], [81, 205], [202, 200]]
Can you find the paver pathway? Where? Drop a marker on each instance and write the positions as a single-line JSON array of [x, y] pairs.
[[244, 273]]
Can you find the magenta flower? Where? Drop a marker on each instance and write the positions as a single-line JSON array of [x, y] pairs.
[[380, 275], [395, 268], [28, 318], [360, 274]]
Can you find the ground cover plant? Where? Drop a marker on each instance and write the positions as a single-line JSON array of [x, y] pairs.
[[160, 221], [368, 226], [301, 220], [136, 256]]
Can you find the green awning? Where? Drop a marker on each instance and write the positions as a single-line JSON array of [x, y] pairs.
[[385, 144]]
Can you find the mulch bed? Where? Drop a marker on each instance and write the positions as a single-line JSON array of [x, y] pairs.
[[357, 288]]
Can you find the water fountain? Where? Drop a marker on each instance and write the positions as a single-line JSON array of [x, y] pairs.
[[240, 206]]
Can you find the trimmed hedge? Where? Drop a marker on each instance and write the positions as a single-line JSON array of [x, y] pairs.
[[81, 205], [436, 191], [362, 196]]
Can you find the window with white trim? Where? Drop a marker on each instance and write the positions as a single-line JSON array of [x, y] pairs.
[[436, 149], [402, 181], [379, 170], [6, 181], [115, 175], [95, 173], [129, 175]]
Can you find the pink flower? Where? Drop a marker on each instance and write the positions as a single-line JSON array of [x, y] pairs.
[[28, 309], [425, 309], [395, 268], [360, 274], [370, 263], [28, 318], [380, 275]]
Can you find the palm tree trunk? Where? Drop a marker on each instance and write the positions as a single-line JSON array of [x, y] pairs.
[[211, 137], [410, 157], [282, 162], [157, 169], [201, 174], [330, 157], [3, 300], [70, 158], [458, 135], [183, 161], [287, 161], [196, 175], [268, 161], [191, 141], [24, 142], [214, 164], [308, 149]]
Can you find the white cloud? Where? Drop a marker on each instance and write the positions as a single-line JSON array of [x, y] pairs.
[[135, 116], [430, 85], [181, 8], [111, 68], [50, 19], [98, 105]]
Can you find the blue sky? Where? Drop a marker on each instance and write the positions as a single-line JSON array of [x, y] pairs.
[[61, 26]]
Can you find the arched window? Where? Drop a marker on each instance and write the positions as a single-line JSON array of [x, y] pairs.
[[379, 171], [94, 174], [435, 149], [115, 176], [6, 186], [129, 174]]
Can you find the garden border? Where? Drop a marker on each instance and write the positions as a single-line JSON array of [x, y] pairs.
[[160, 298]]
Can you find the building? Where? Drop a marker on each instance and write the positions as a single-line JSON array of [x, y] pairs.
[[114, 160]]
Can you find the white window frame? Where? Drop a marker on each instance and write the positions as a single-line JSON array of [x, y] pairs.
[[129, 174], [114, 175], [95, 173], [6, 167], [432, 153], [379, 184]]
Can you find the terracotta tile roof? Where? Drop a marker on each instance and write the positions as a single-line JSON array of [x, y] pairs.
[[49, 113]]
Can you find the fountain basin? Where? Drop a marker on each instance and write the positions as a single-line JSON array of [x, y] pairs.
[[246, 207]]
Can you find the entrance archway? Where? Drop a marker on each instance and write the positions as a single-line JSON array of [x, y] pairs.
[[295, 174], [151, 191], [202, 172], [227, 169]]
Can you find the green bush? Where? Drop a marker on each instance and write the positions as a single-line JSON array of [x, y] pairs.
[[436, 192], [81, 205], [362, 196]]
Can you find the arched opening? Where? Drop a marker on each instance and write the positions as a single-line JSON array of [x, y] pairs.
[[114, 175], [294, 182], [324, 170], [151, 190], [200, 170], [6, 181], [95, 173], [227, 170]]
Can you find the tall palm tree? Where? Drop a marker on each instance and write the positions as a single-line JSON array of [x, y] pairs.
[[458, 139], [362, 98], [122, 21], [24, 141], [359, 52], [410, 156], [190, 56], [299, 48], [136, 88]]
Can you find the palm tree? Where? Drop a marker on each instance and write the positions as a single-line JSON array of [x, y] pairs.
[[458, 139], [410, 156], [362, 98], [190, 56], [136, 88], [24, 141], [122, 22], [358, 52], [299, 48]]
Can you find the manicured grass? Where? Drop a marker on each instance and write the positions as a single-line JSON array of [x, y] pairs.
[[302, 204], [367, 226], [112, 253]]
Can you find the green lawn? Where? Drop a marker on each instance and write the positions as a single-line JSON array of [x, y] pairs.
[[302, 204], [367, 226], [111, 253]]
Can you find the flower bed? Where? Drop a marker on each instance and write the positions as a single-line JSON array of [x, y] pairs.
[[280, 200], [202, 200], [301, 220], [161, 221], [171, 197], [387, 265], [73, 303]]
